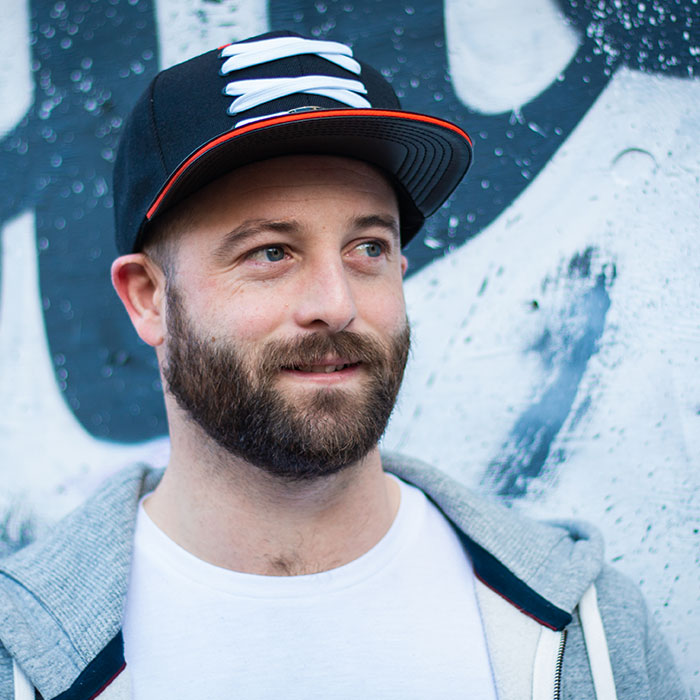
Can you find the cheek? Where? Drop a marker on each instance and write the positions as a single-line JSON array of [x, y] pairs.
[[384, 308], [242, 314]]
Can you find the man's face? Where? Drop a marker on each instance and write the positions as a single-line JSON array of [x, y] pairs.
[[287, 336]]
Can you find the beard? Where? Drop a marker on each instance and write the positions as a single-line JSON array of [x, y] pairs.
[[231, 395]]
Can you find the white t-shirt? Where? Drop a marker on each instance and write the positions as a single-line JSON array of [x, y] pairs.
[[399, 622]]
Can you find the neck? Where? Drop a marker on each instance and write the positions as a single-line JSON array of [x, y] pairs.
[[236, 516]]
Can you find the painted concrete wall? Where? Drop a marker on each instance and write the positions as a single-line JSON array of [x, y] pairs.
[[555, 299]]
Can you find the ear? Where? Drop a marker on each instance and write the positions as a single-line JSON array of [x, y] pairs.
[[404, 265], [140, 284]]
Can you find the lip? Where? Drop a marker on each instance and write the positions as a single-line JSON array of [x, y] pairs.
[[350, 369]]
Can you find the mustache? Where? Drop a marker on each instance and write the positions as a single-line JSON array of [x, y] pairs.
[[352, 347]]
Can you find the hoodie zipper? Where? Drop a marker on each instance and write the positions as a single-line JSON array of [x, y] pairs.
[[558, 666]]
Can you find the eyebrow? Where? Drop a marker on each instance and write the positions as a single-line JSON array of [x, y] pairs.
[[385, 221], [248, 229]]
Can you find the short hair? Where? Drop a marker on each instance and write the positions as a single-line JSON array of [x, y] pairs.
[[162, 234]]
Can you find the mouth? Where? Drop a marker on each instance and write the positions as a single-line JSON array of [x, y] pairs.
[[323, 367]]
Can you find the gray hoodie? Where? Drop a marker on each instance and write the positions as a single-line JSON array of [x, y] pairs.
[[552, 610]]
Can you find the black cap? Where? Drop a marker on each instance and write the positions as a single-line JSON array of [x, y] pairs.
[[205, 117]]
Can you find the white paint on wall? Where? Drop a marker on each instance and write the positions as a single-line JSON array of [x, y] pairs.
[[49, 462], [626, 184], [187, 28], [503, 53], [16, 86]]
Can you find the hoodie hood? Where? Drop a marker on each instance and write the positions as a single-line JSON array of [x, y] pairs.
[[62, 598]]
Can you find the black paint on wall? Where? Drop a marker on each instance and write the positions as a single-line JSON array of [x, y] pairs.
[[89, 62]]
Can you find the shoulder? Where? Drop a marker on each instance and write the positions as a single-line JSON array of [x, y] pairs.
[[557, 562], [64, 591]]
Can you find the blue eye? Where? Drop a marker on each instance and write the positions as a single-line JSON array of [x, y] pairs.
[[273, 253], [373, 250]]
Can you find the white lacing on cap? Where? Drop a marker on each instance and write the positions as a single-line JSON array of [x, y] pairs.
[[252, 93], [253, 53]]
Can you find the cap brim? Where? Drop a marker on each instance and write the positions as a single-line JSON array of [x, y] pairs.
[[427, 157]]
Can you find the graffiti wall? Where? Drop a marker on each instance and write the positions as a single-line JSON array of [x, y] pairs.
[[555, 298]]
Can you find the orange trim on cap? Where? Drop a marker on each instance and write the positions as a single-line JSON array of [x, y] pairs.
[[287, 118]]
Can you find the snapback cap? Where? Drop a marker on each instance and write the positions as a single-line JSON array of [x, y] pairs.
[[273, 95]]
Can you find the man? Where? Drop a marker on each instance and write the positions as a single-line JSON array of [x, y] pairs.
[[263, 192]]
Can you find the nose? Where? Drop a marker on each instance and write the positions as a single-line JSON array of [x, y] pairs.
[[326, 300]]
